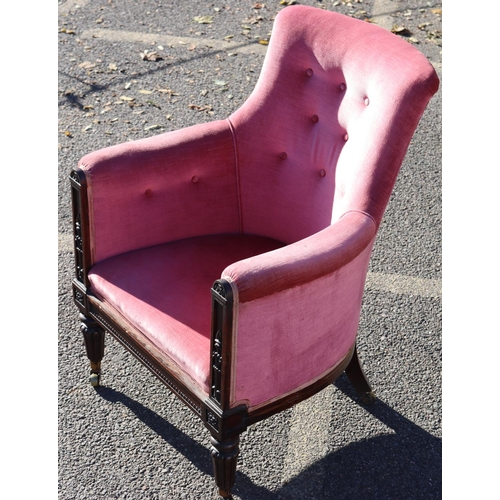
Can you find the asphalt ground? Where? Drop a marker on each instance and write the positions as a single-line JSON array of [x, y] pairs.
[[132, 439]]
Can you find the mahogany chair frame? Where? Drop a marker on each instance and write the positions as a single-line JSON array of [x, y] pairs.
[[224, 423]]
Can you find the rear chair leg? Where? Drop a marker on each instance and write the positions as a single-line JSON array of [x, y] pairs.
[[358, 379], [93, 335]]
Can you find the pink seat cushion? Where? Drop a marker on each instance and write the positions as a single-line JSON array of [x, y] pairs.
[[164, 291]]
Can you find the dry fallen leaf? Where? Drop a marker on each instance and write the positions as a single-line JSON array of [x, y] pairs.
[[401, 30], [438, 12], [86, 65], [207, 108], [168, 91], [435, 37], [252, 20], [203, 19], [151, 56]]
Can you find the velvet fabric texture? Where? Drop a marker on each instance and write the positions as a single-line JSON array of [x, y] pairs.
[[164, 291], [164, 188], [283, 199]]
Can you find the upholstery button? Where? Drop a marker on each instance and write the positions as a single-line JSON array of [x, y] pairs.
[[315, 118], [309, 72], [148, 193], [346, 136], [367, 101], [322, 172], [283, 156], [194, 178], [342, 86]]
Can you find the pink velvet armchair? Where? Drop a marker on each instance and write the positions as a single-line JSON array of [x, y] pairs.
[[230, 257]]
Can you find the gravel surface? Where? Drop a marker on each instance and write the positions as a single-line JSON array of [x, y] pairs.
[[131, 439]]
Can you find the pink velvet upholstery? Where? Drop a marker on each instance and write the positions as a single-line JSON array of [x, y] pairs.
[[289, 339], [298, 309], [164, 291], [165, 188], [341, 98], [283, 199]]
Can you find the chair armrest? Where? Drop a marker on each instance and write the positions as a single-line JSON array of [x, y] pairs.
[[302, 298], [172, 186], [303, 261]]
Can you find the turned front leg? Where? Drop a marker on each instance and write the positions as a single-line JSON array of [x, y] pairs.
[[93, 335], [224, 458]]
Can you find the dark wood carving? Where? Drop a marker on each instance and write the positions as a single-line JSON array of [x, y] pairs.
[[221, 342], [212, 420], [93, 335], [217, 367], [78, 249], [224, 457], [80, 225], [79, 297], [219, 288]]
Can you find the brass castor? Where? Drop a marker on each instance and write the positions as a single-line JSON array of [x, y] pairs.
[[368, 398], [94, 379]]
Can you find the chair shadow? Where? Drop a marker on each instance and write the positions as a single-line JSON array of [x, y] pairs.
[[403, 465], [406, 464]]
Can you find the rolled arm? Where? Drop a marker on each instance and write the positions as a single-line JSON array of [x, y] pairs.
[[172, 186], [303, 298], [303, 261]]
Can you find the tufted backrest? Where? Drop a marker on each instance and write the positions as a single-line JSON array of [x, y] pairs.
[[328, 124]]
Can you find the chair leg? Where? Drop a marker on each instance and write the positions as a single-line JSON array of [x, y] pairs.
[[224, 458], [93, 335], [358, 379]]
